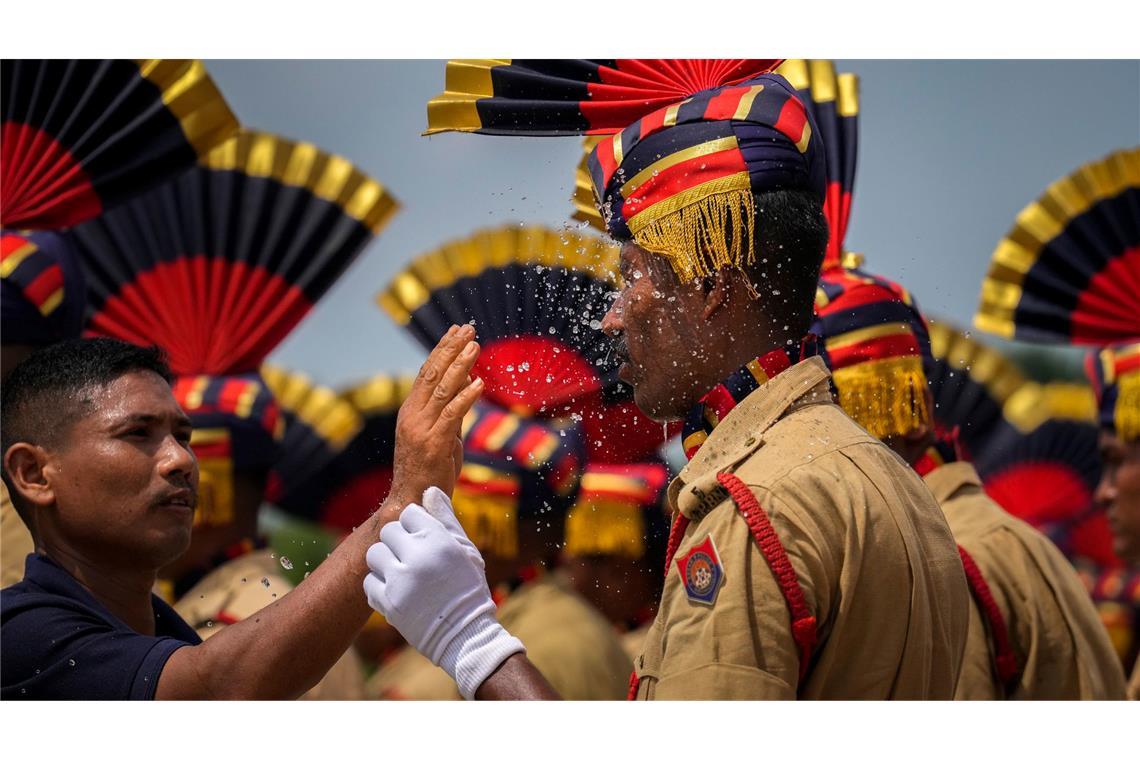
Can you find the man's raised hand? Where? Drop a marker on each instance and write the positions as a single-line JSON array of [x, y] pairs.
[[430, 421]]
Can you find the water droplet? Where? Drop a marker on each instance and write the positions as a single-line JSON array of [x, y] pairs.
[[286, 563], [71, 663], [265, 582]]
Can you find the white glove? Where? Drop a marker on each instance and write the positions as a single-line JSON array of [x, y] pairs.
[[425, 583], [438, 505]]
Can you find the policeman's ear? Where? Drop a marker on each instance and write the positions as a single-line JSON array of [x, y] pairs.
[[24, 464], [717, 289]]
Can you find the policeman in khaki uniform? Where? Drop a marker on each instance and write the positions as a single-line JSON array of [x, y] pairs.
[[1115, 375], [615, 544], [860, 535], [805, 558], [1033, 630], [518, 479]]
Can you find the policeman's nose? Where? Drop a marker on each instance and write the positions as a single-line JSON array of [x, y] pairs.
[[1105, 493], [613, 323], [176, 459]]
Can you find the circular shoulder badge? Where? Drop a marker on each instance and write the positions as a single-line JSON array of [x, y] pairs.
[[701, 572]]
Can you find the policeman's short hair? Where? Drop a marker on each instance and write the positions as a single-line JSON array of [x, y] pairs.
[[43, 395], [791, 238]]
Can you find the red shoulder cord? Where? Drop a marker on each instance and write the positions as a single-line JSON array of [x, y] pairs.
[[803, 622], [1004, 658]]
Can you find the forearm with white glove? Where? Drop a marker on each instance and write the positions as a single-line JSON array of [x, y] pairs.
[[427, 580]]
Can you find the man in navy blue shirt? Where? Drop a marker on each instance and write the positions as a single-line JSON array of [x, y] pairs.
[[96, 455]]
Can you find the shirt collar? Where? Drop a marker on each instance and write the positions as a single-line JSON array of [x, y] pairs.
[[694, 489], [948, 479]]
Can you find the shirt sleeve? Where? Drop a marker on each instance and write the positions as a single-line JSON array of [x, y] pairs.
[[53, 650]]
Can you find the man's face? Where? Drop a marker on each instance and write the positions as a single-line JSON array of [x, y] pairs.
[[655, 321], [1119, 493], [124, 479]]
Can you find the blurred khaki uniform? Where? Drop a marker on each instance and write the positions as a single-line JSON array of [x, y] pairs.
[[1134, 682], [634, 641], [570, 643], [15, 541], [873, 554], [1061, 646], [237, 590]]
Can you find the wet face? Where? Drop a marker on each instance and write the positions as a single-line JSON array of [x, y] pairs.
[[1119, 493], [656, 322], [123, 481]]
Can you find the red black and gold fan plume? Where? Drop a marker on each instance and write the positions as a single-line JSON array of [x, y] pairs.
[[217, 267], [536, 298], [361, 474], [81, 136], [833, 100], [1047, 472], [572, 96], [319, 424], [1069, 270], [221, 264], [688, 143]]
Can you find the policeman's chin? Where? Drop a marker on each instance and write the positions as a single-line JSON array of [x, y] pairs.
[[657, 400]]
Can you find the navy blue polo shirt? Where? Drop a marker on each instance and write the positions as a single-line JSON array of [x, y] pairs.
[[58, 642]]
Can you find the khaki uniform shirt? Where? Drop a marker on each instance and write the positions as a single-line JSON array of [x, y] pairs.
[[15, 541], [874, 556], [570, 643], [237, 590], [1058, 639]]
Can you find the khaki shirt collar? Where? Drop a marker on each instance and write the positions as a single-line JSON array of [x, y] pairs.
[[742, 432], [948, 479]]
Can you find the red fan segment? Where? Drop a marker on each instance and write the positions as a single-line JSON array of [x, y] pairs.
[[178, 304], [641, 86], [352, 502], [1110, 302], [1091, 537], [837, 210], [1039, 492], [535, 373], [50, 192]]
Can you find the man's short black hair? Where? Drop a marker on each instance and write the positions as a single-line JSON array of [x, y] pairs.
[[791, 238], [41, 398]]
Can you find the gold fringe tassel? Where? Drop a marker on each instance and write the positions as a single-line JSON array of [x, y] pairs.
[[715, 231], [605, 526], [1127, 416], [490, 521], [886, 397]]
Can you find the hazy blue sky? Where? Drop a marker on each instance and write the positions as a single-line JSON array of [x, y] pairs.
[[950, 151]]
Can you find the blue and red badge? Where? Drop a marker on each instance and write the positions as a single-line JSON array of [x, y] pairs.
[[701, 572]]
